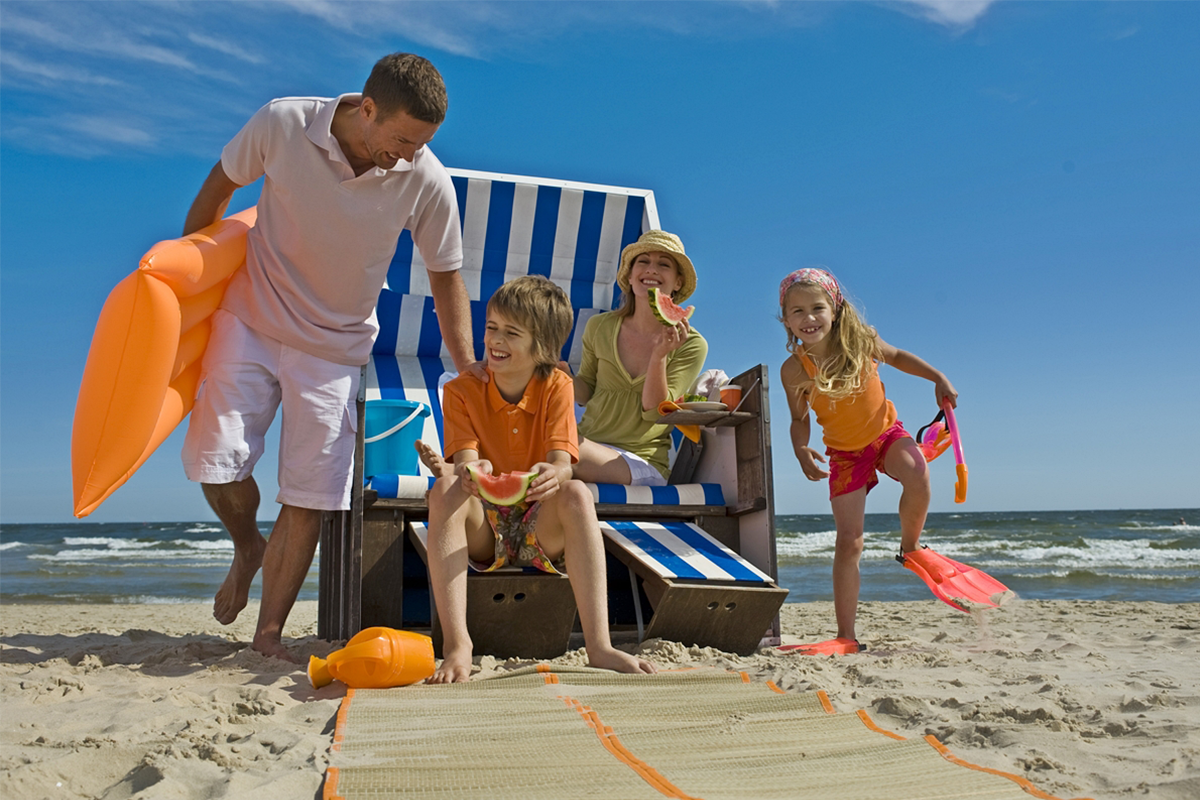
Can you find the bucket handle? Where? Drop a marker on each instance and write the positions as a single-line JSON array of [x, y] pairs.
[[388, 433]]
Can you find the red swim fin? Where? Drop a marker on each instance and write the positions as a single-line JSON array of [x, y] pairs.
[[833, 647], [954, 583]]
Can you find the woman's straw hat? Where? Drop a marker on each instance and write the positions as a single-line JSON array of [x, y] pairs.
[[659, 242]]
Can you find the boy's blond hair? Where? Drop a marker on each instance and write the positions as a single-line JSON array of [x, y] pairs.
[[539, 305]]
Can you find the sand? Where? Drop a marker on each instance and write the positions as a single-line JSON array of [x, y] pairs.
[[1085, 699]]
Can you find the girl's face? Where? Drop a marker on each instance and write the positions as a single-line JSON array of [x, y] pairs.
[[508, 346], [654, 270], [808, 313]]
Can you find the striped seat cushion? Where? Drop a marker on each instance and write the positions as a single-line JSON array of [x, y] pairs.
[[414, 487], [682, 551]]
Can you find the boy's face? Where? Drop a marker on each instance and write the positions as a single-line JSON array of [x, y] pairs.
[[508, 346]]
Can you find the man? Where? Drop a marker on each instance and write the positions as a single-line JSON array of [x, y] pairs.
[[343, 177]]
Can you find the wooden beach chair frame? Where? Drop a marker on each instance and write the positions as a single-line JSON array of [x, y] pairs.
[[367, 565]]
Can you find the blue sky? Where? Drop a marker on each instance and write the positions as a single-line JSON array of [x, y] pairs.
[[1009, 189]]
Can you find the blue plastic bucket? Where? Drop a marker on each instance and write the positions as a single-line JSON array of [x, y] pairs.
[[393, 427]]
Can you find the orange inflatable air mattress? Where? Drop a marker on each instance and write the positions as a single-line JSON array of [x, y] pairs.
[[142, 370]]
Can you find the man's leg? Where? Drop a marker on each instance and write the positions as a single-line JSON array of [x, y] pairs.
[[236, 505], [286, 561]]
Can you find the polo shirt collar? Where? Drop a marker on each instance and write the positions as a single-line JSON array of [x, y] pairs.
[[528, 401], [320, 133]]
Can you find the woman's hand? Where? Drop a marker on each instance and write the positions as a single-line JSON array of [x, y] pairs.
[[670, 338], [808, 459]]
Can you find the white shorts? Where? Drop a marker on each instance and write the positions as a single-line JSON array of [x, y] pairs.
[[246, 377], [641, 471]]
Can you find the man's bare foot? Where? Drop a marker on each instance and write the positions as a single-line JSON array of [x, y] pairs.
[[433, 460], [234, 593], [455, 667], [618, 661], [273, 647]]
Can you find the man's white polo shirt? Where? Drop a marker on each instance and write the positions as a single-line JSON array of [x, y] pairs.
[[319, 252]]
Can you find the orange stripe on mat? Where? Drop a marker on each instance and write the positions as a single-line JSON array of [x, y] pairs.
[[870, 723], [331, 782], [339, 730], [771, 685], [825, 704], [615, 747], [1017, 779]]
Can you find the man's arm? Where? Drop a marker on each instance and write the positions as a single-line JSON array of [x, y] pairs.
[[453, 307], [211, 201]]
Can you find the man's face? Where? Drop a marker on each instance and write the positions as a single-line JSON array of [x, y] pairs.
[[395, 137]]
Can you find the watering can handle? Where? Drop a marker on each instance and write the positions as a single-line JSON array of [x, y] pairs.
[[388, 433]]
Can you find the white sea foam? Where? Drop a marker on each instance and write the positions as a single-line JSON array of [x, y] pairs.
[[119, 557], [106, 541], [205, 544], [202, 528], [11, 545]]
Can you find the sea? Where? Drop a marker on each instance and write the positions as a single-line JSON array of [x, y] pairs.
[[1146, 555]]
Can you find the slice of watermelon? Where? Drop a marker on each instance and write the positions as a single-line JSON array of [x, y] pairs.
[[665, 309], [502, 490]]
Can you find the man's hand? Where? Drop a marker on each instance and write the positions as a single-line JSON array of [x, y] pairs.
[[478, 370]]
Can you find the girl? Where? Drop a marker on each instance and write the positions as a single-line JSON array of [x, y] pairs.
[[631, 363], [833, 368]]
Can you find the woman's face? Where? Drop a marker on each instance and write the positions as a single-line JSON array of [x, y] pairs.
[[654, 270]]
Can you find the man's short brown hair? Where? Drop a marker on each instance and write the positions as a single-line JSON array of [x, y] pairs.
[[539, 305], [408, 83]]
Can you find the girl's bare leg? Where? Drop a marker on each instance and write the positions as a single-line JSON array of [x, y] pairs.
[[457, 528], [600, 464], [848, 511], [906, 464], [567, 524]]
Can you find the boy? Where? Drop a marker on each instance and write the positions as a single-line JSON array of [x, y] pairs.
[[522, 419]]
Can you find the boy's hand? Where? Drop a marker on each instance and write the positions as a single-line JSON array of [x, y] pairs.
[[808, 459], [943, 388], [549, 478], [464, 476]]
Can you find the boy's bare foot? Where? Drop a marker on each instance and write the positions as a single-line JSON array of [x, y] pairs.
[[618, 661], [433, 460], [455, 667], [234, 593]]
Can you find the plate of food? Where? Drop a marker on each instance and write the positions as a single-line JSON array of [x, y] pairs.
[[702, 405]]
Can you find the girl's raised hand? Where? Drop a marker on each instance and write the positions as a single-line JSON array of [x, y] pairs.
[[943, 388], [808, 459]]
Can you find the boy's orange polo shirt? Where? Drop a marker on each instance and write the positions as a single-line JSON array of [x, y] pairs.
[[513, 437]]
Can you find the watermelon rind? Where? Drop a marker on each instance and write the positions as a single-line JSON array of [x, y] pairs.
[[507, 489], [665, 309]]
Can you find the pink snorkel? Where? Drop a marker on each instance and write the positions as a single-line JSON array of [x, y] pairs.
[[939, 437]]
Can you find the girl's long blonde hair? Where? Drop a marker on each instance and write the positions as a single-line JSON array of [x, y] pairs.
[[853, 346]]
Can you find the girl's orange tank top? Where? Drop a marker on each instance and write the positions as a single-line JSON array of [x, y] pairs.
[[851, 423]]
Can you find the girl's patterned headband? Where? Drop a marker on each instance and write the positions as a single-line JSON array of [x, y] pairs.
[[820, 277]]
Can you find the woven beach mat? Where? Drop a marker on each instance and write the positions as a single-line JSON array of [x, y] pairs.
[[561, 733]]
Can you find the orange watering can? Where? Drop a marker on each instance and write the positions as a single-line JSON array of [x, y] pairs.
[[376, 658]]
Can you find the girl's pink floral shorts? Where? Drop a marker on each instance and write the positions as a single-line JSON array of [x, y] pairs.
[[849, 471]]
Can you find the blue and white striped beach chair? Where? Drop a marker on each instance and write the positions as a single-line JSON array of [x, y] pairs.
[[572, 233]]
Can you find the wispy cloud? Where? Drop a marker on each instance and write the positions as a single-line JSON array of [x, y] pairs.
[[959, 14], [191, 72]]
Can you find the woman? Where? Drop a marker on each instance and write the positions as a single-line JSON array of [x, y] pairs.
[[631, 363]]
